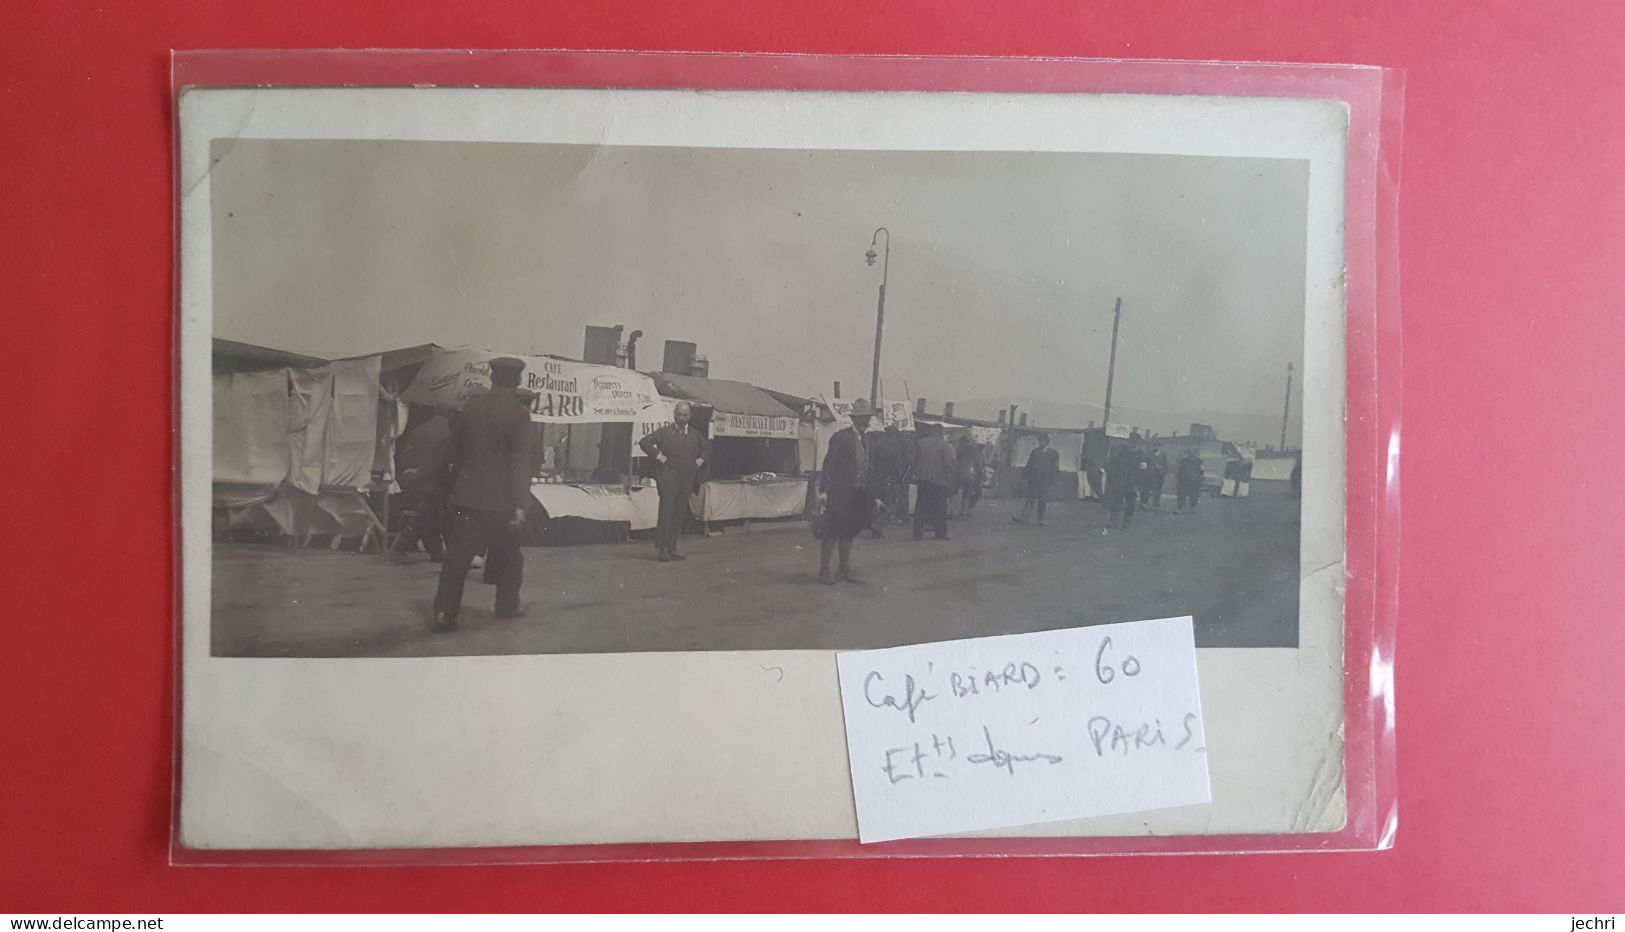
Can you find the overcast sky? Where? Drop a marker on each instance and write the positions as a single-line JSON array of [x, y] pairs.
[[1004, 266]]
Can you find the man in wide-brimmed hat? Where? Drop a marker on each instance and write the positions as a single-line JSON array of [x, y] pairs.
[[847, 494]]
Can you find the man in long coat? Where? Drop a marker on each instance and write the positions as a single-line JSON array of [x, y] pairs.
[[1124, 468], [935, 472], [491, 459], [847, 493]]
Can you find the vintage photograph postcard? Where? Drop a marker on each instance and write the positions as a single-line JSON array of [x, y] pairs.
[[541, 448]]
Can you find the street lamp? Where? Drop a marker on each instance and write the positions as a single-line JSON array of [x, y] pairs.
[[880, 310]]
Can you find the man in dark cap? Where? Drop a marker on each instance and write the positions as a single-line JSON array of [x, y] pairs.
[[847, 493], [528, 399], [491, 459], [678, 451]]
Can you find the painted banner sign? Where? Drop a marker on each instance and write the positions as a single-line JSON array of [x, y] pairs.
[[899, 413], [984, 435], [566, 392], [724, 424]]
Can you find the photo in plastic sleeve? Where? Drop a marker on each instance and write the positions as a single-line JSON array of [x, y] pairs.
[[541, 446]]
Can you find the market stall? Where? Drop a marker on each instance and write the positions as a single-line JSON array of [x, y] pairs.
[[754, 471], [635, 506], [584, 417]]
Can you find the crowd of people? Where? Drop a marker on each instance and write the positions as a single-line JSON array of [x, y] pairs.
[[865, 476], [1137, 476], [466, 482]]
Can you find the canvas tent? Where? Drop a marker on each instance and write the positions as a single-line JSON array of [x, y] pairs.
[[234, 356], [294, 445]]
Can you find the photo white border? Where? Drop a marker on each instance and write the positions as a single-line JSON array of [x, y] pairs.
[[664, 747]]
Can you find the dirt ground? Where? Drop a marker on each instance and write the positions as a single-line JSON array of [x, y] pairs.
[[1233, 565]]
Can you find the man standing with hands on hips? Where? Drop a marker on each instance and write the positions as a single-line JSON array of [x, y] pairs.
[[490, 458], [679, 451]]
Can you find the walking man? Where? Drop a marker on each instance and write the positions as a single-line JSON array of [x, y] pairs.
[[934, 470], [1123, 469], [527, 398], [678, 451], [908, 453], [490, 456], [971, 460], [1151, 479], [846, 493], [1043, 465], [1189, 480], [422, 463], [885, 465]]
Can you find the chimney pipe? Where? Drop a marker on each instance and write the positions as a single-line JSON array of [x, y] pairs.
[[947, 409], [632, 349]]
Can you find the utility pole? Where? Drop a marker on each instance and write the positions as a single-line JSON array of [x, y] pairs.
[[880, 309], [1111, 368], [1286, 411]]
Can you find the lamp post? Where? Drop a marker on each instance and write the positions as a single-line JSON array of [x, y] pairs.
[[880, 310]]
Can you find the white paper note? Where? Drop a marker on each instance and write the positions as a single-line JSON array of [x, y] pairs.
[[995, 732]]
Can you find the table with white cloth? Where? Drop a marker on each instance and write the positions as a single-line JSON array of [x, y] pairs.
[[734, 499], [639, 507]]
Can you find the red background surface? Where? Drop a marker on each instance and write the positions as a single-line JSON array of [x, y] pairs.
[[1511, 640]]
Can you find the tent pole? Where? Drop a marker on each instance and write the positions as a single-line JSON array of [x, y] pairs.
[[385, 545]]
